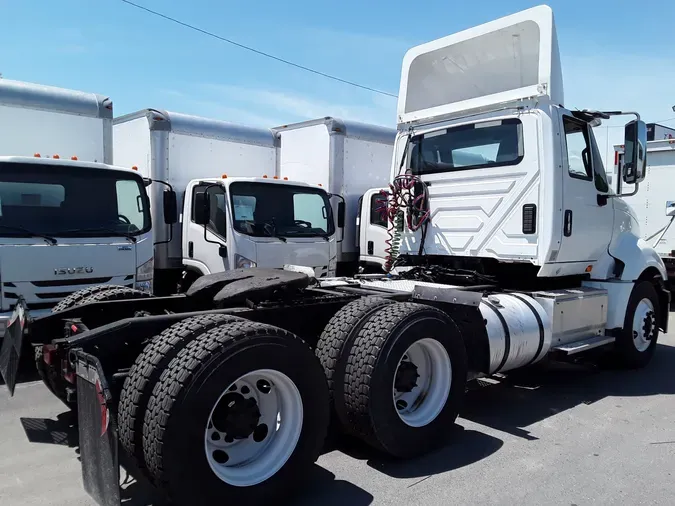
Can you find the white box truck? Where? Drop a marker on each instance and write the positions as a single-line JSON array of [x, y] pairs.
[[235, 212], [654, 205], [68, 219], [351, 160]]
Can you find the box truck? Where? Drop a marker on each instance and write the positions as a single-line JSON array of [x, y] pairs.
[[236, 212], [227, 391], [68, 219], [351, 160], [654, 205]]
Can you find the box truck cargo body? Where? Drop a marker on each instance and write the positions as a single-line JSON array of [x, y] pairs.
[[654, 204], [68, 221]]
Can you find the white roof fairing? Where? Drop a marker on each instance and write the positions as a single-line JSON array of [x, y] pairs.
[[512, 58]]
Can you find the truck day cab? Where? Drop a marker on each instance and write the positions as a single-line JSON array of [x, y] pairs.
[[67, 222], [523, 253]]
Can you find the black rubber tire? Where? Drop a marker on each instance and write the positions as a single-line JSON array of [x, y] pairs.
[[182, 399], [147, 369], [76, 297], [119, 293], [626, 353], [51, 375], [371, 367], [334, 345]]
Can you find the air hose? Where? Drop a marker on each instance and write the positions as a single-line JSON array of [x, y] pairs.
[[406, 192]]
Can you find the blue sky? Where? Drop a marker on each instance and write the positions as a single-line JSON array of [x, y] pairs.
[[613, 57]]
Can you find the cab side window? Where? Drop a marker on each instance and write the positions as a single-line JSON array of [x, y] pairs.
[[378, 203], [583, 156], [578, 149], [218, 212]]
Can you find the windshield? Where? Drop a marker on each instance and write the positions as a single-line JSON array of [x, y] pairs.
[[270, 209], [479, 145], [69, 201]]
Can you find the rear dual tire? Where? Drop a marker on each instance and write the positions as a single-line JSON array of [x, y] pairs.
[[50, 374], [405, 369], [210, 429]]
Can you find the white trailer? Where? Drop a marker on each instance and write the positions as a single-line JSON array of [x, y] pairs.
[[654, 204], [351, 160], [68, 220], [252, 218]]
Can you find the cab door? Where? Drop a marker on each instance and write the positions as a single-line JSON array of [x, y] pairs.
[[587, 213], [205, 251], [372, 227]]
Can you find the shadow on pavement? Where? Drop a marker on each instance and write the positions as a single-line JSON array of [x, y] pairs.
[[525, 397], [62, 431], [463, 448], [322, 488]]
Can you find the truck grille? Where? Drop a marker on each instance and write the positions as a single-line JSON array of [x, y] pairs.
[[46, 294]]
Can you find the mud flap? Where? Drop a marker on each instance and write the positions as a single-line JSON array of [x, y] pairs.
[[10, 352], [97, 431]]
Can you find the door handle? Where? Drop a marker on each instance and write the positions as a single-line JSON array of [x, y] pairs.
[[191, 249], [567, 223], [371, 247]]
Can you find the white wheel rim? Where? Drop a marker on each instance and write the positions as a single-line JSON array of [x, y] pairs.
[[644, 325], [420, 405], [247, 461]]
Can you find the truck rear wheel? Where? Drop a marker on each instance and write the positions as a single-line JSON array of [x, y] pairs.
[[75, 298], [240, 414], [636, 342], [50, 374], [147, 369], [405, 379], [335, 342]]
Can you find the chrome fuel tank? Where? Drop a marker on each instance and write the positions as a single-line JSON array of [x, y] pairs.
[[518, 329]]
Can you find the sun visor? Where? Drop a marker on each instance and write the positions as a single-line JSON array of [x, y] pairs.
[[509, 59]]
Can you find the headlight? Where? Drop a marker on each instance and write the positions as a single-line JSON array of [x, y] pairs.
[[241, 262], [144, 275]]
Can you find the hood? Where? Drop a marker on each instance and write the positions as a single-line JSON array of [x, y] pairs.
[[43, 274]]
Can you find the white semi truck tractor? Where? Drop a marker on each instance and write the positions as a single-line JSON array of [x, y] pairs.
[[507, 246]]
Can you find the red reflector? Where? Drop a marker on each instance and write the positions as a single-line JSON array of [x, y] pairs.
[[70, 377], [616, 158], [104, 408], [73, 328], [48, 354]]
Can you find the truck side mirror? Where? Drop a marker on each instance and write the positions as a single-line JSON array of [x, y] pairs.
[[201, 208], [670, 208], [635, 154], [341, 214], [170, 207]]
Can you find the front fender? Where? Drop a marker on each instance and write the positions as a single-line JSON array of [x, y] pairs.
[[636, 255]]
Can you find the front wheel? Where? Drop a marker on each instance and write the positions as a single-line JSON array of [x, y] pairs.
[[636, 342]]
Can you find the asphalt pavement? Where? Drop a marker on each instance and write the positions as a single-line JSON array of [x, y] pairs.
[[568, 435]]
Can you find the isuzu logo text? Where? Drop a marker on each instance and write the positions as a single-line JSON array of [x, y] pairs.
[[73, 270]]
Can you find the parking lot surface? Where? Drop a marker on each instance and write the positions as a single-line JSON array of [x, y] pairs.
[[566, 435]]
